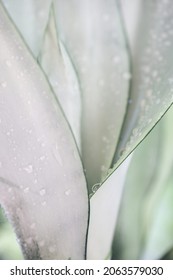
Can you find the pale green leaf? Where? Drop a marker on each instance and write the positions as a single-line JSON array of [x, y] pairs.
[[104, 208], [92, 33], [62, 77], [31, 18], [130, 225], [9, 248], [131, 13], [152, 72], [159, 230], [43, 193], [145, 224]]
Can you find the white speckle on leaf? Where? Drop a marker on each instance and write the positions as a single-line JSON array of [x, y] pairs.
[[105, 139], [116, 59], [67, 192], [42, 158], [26, 190], [127, 76], [52, 249], [103, 168], [42, 192], [8, 63], [29, 168], [43, 203], [155, 73], [4, 84]]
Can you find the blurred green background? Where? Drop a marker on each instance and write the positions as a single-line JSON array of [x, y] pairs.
[[9, 248]]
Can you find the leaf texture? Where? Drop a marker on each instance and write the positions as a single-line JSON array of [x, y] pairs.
[[151, 87], [62, 77], [43, 193], [92, 34], [31, 19], [145, 225], [104, 208]]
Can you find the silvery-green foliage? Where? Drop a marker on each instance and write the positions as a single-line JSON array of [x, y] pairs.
[[62, 77], [81, 86], [44, 195], [30, 17], [144, 228], [92, 34], [151, 89]]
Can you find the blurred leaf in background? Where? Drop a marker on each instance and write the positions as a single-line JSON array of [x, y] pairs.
[[9, 247], [145, 225]]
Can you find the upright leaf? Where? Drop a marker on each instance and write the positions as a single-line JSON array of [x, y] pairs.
[[92, 34], [31, 18], [42, 185], [62, 77], [131, 13], [158, 239], [104, 208], [128, 240], [145, 224], [151, 88], [159, 226]]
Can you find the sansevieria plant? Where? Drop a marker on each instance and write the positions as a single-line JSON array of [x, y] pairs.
[[82, 83]]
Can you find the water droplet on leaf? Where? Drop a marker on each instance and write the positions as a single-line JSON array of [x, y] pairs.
[[67, 192], [42, 192], [28, 169], [26, 190]]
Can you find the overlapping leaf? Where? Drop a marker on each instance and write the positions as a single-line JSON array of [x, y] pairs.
[[31, 19], [92, 33], [62, 77], [104, 208], [151, 88], [131, 12], [44, 195], [145, 225]]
